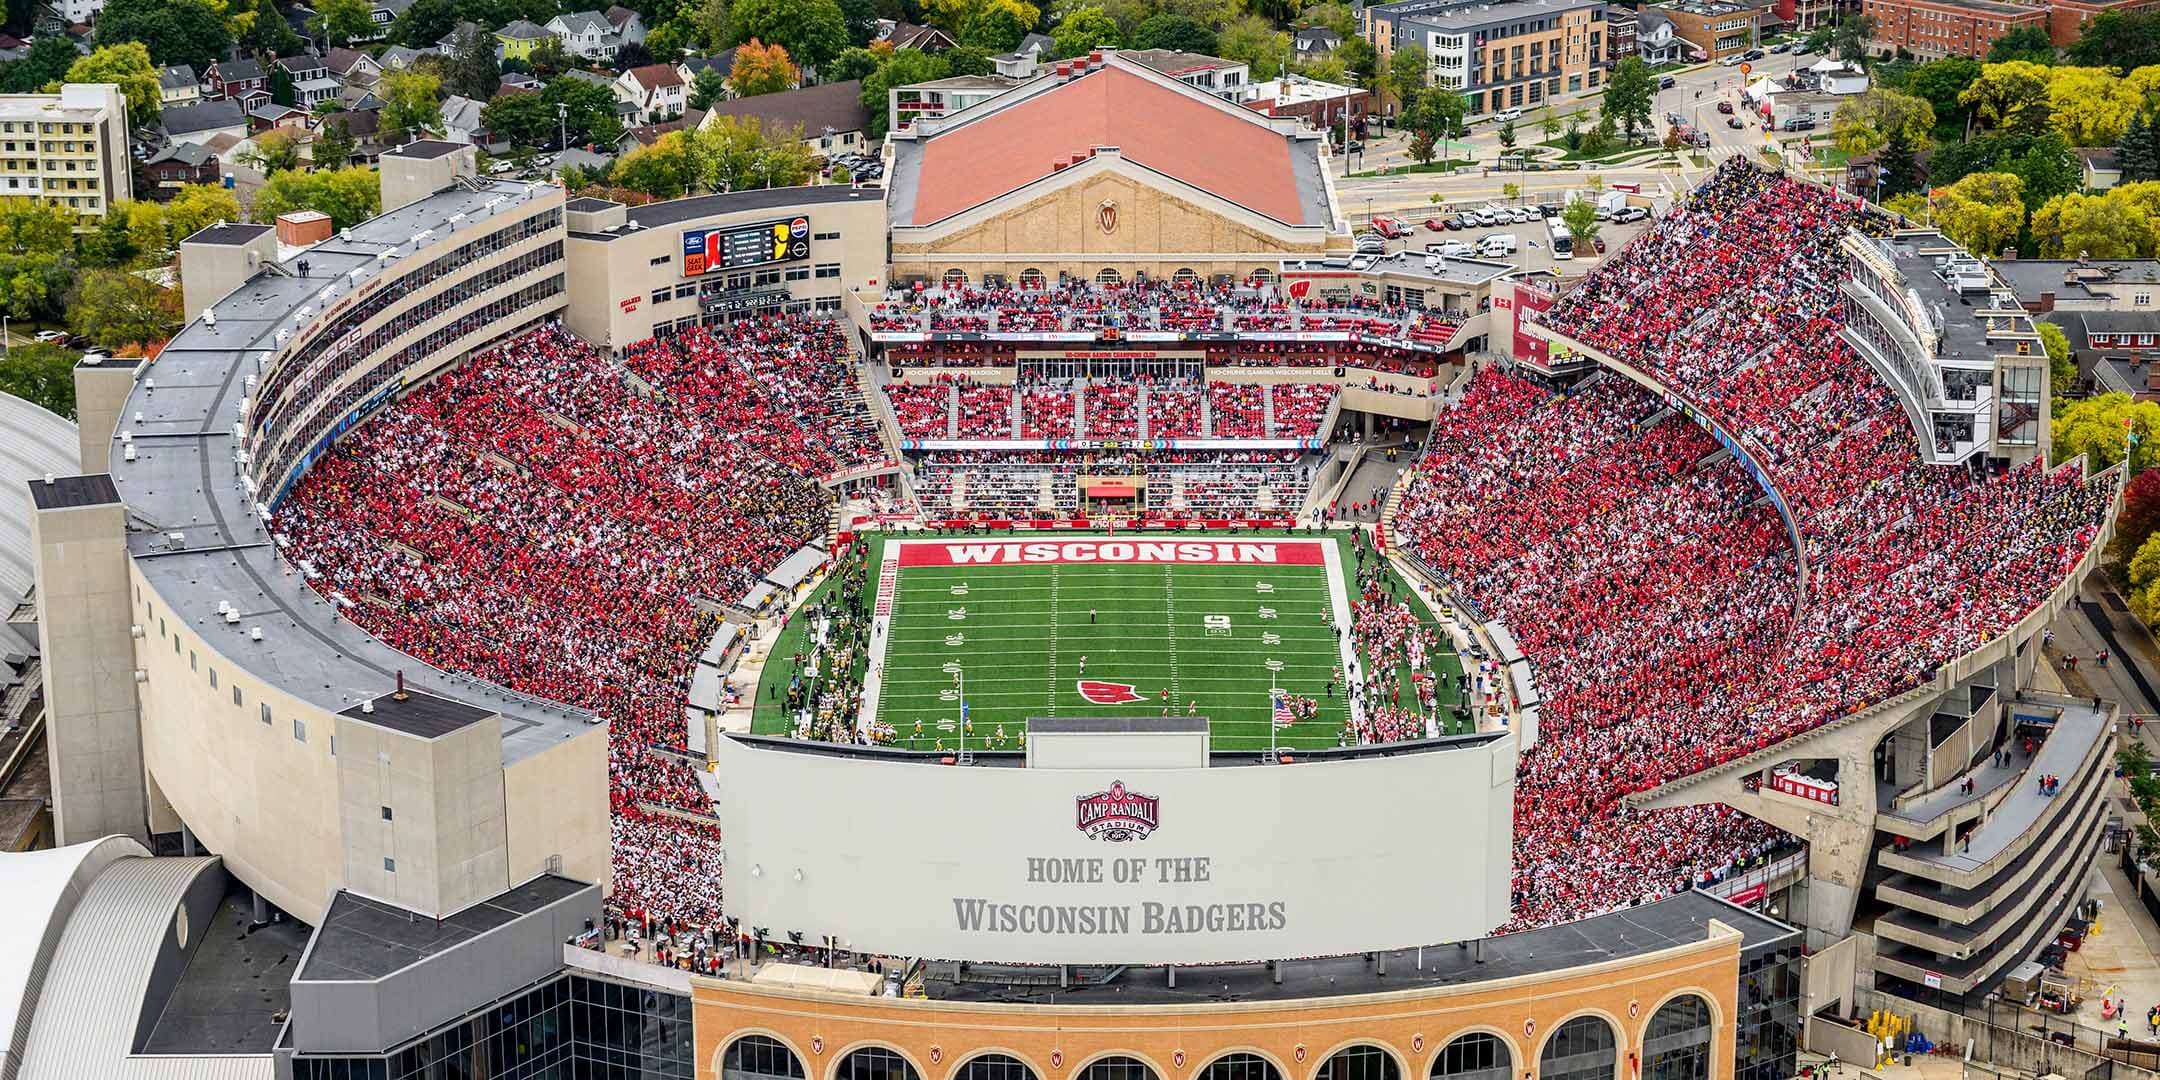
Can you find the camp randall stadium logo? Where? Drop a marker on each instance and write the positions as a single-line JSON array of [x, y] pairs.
[[1118, 815]]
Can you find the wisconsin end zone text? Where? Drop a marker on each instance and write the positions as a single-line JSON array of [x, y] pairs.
[[986, 917], [1016, 552]]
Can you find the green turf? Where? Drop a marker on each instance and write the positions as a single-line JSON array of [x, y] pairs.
[[1022, 630]]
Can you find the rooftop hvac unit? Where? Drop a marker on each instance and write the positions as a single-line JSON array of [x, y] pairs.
[[127, 453], [254, 633], [232, 617]]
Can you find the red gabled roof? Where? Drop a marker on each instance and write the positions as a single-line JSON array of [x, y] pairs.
[[1165, 129], [656, 76]]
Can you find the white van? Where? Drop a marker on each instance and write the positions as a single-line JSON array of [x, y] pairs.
[[1452, 249], [1497, 244]]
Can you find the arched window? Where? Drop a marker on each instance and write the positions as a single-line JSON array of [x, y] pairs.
[[1480, 1055], [1108, 275], [876, 1063], [1263, 275], [1241, 1067], [1581, 1049], [1678, 1045], [1185, 275], [955, 278], [1117, 1067], [759, 1057], [1361, 1062], [995, 1067], [1031, 278]]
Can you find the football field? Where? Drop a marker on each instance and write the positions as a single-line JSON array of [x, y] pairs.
[[1107, 626]]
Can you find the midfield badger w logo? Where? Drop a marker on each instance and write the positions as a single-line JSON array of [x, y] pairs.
[[1118, 815]]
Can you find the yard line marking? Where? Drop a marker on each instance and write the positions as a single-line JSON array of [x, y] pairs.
[[1051, 687], [1170, 628]]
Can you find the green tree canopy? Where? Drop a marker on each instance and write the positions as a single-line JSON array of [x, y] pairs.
[[1179, 32], [2027, 43], [127, 64], [424, 23], [2120, 39], [117, 309], [2094, 427], [342, 22], [349, 195], [1086, 29], [41, 374], [814, 31], [175, 31], [906, 66], [1628, 95]]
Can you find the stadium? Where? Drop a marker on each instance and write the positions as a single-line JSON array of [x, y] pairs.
[[1061, 615]]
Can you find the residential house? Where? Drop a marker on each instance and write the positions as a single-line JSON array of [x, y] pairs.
[[829, 118], [628, 24], [79, 12], [2119, 348], [383, 13], [448, 43], [398, 58], [721, 63], [200, 123], [2101, 165], [13, 48], [592, 161], [1227, 79], [237, 80], [362, 128], [357, 98], [902, 35], [1656, 41], [520, 38], [1022, 61], [624, 110], [312, 82], [518, 82], [1621, 27], [270, 115], [303, 67], [461, 124], [353, 67], [178, 85], [175, 167], [1314, 42], [645, 135], [656, 90], [586, 34]]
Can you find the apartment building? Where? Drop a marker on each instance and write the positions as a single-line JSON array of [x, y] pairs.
[[1934, 29], [1517, 54], [1717, 28], [1805, 15], [68, 148]]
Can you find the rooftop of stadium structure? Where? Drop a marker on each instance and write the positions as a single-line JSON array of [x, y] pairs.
[[956, 163], [1958, 299], [1413, 264], [1678, 920], [195, 536], [676, 211]]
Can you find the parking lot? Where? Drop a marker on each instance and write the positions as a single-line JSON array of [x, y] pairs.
[[1532, 251]]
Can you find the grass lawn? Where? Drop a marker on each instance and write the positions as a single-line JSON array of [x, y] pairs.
[[1200, 635]]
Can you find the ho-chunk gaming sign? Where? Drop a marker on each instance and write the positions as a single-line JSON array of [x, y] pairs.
[[1154, 865]]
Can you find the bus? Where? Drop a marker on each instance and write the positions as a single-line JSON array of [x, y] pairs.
[[1563, 244]]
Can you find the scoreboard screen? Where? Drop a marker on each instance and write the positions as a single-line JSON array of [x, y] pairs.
[[737, 246]]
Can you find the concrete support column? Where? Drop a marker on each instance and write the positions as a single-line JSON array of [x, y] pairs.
[[262, 909], [187, 842]]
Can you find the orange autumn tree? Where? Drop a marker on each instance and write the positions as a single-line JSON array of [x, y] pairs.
[[762, 69]]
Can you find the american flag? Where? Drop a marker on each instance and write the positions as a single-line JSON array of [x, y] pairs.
[[1283, 718]]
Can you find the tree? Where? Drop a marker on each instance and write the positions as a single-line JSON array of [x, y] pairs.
[[907, 66], [2004, 90], [1863, 123], [424, 23], [2139, 151], [1628, 96], [632, 54], [115, 309], [860, 17], [968, 60], [2093, 226], [2094, 427], [1437, 113], [1984, 211], [1548, 124], [661, 170], [2140, 516], [2118, 39], [412, 101], [1423, 146], [591, 117], [1580, 217], [282, 91], [734, 155], [2026, 43], [342, 22], [2062, 368], [1849, 38], [128, 65], [998, 25], [1084, 30], [268, 33], [175, 31], [2091, 107], [669, 41], [335, 145], [1405, 75], [1511, 191], [524, 119], [2043, 162], [41, 374], [549, 60], [761, 69], [473, 70], [198, 206], [48, 61], [271, 151], [1254, 41], [707, 87], [814, 31], [1161, 31], [1507, 134], [349, 195], [1941, 82], [1899, 167], [851, 64]]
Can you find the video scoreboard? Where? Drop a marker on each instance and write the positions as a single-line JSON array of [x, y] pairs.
[[738, 246]]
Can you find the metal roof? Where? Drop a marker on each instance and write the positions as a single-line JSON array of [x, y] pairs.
[[84, 1023], [33, 442], [40, 890]]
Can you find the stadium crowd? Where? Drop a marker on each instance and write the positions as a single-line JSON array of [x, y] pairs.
[[532, 519], [1657, 596]]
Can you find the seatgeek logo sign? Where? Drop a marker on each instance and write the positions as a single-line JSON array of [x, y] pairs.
[[1018, 552]]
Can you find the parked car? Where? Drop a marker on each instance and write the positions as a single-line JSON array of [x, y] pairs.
[[1390, 228], [1459, 221], [1599, 243], [1781, 46], [1731, 61], [1801, 124], [1734, 122], [1627, 214], [1802, 49], [1507, 115], [1752, 55], [1675, 119], [52, 337], [1725, 107], [1666, 82], [1435, 224], [1548, 210]]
